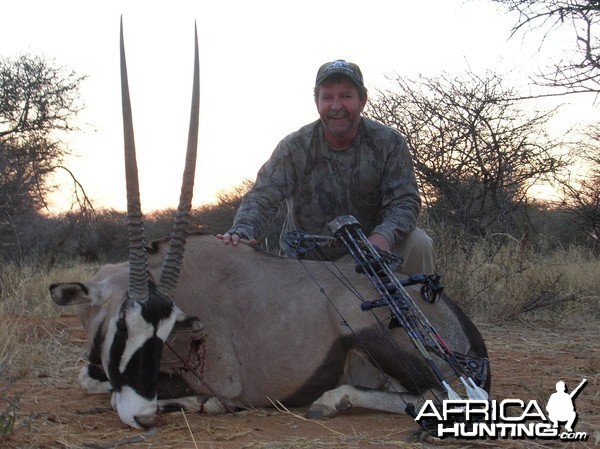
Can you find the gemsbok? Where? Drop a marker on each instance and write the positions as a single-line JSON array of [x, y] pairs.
[[225, 328]]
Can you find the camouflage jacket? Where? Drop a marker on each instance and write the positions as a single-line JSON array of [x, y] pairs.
[[373, 180]]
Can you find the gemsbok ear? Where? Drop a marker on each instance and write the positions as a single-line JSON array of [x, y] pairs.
[[70, 294], [74, 293], [185, 323]]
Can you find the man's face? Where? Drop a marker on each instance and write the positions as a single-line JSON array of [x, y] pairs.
[[340, 107]]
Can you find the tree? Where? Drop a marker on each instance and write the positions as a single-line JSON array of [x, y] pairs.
[[581, 198], [38, 100], [581, 73], [476, 153]]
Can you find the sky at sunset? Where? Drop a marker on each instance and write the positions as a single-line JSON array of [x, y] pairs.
[[258, 63]]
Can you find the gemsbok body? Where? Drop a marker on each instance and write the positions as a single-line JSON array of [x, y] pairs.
[[225, 327]]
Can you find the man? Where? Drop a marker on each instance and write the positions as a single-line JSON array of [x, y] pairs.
[[342, 164]]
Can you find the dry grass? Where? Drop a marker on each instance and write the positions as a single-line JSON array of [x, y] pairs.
[[28, 347], [499, 282], [24, 289], [24, 293]]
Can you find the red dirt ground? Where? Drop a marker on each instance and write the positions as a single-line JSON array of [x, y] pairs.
[[527, 361]]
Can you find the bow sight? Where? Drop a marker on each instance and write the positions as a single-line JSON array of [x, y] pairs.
[[379, 266]]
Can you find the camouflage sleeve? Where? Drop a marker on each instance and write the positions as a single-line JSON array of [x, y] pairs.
[[274, 182], [401, 203]]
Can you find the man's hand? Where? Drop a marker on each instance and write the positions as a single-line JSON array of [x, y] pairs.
[[379, 241], [234, 239]]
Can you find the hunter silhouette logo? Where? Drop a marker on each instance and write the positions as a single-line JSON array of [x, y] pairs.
[[560, 406], [505, 419]]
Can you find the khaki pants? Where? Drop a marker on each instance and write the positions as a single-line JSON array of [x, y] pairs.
[[418, 253]]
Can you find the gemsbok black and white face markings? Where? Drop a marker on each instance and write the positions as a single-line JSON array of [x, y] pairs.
[[227, 327], [133, 349]]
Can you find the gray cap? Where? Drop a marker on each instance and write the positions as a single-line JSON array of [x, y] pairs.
[[340, 67]]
